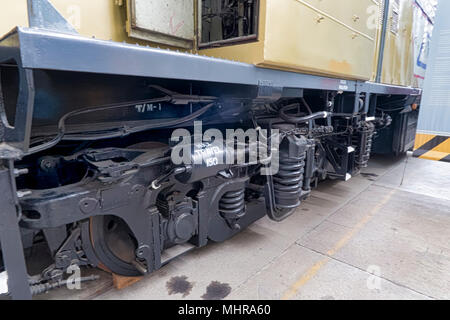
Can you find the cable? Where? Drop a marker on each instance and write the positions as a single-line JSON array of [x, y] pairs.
[[119, 132], [404, 170], [125, 131], [306, 105], [294, 119], [62, 121]]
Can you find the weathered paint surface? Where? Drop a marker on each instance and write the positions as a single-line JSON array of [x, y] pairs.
[[325, 37], [319, 37]]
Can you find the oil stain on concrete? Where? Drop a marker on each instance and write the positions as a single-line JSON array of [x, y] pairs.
[[217, 291], [179, 285]]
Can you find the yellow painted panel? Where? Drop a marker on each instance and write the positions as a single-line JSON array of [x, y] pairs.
[[378, 42], [296, 35], [327, 37], [12, 14], [252, 52], [390, 50], [302, 37], [101, 19], [361, 15], [404, 65], [398, 58]]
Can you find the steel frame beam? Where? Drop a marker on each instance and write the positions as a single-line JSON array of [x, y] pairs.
[[42, 49], [10, 238]]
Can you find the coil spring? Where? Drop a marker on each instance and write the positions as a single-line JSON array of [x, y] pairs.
[[364, 155], [288, 182], [232, 207]]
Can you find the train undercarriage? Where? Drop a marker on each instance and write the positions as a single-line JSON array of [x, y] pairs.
[[128, 172]]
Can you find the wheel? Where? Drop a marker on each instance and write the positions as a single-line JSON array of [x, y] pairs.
[[114, 244]]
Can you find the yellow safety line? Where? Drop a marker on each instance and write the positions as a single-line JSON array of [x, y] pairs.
[[443, 147], [439, 152], [335, 20], [292, 291], [422, 139], [434, 155]]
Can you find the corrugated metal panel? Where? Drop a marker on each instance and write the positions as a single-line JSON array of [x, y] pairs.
[[433, 138], [435, 112], [398, 61]]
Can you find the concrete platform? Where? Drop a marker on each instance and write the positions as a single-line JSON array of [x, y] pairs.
[[382, 235]]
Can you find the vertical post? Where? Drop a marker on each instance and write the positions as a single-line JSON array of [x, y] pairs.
[[357, 105], [10, 238], [382, 40], [367, 102]]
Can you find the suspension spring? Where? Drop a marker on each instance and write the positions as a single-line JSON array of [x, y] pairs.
[[288, 182], [364, 145], [232, 207]]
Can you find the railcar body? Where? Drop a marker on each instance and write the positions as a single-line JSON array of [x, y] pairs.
[[126, 155]]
